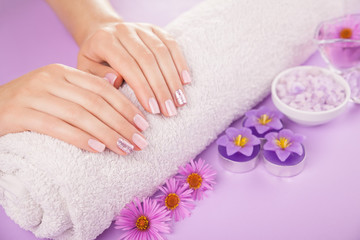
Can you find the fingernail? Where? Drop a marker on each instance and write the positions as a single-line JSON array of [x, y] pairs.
[[180, 97], [139, 141], [186, 76], [96, 145], [125, 145], [154, 106], [141, 122], [111, 78], [170, 107]]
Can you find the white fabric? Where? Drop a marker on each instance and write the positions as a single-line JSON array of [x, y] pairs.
[[234, 49]]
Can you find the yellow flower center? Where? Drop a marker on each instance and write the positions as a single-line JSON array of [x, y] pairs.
[[142, 223], [172, 201], [240, 141], [346, 33], [264, 119], [194, 180], [283, 142]]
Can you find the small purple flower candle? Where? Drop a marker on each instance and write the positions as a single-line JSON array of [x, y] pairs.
[[284, 153], [262, 121], [239, 149]]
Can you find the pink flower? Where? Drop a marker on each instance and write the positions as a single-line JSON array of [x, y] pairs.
[[200, 177], [141, 221], [176, 198], [345, 28]]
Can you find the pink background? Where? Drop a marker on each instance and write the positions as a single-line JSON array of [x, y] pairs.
[[323, 202]]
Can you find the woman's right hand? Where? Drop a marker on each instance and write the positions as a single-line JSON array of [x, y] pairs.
[[73, 106]]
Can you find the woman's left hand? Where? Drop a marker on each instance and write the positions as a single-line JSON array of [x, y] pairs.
[[145, 56]]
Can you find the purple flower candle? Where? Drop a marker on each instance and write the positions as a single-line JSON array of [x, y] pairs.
[[262, 121], [239, 149], [284, 153]]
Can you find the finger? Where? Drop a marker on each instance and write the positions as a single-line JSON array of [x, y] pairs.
[[78, 117], [112, 96], [46, 124], [149, 66], [166, 64], [100, 70], [176, 54], [120, 60]]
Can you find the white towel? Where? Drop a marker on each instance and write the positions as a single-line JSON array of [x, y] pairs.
[[234, 49]]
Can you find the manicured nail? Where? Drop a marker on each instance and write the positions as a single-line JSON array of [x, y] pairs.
[[170, 107], [139, 141], [96, 145], [186, 76], [125, 145], [141, 122], [180, 97], [154, 106], [111, 78]]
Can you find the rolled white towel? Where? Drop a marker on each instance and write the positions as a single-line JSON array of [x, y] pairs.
[[234, 49]]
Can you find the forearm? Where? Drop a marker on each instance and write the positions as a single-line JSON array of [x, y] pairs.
[[82, 16]]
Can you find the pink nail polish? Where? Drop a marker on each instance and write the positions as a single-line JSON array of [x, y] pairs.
[[154, 106], [170, 107], [96, 145], [125, 145], [111, 78], [180, 97], [139, 141], [141, 122], [186, 76]]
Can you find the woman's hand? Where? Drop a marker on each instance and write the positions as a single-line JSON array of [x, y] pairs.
[[149, 60], [73, 106]]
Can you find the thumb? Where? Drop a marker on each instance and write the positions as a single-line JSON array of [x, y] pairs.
[[103, 71]]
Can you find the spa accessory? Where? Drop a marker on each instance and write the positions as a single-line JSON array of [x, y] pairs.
[[143, 220], [304, 94], [283, 153], [73, 194], [239, 149], [199, 176], [262, 121], [177, 198], [353, 79], [339, 42]]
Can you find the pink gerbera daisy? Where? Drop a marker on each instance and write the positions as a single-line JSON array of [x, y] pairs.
[[200, 177], [176, 198], [141, 221], [345, 28]]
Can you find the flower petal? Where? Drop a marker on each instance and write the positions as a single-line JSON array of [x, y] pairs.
[[232, 132], [247, 150], [282, 154], [231, 149], [296, 148], [223, 140], [275, 123], [261, 128]]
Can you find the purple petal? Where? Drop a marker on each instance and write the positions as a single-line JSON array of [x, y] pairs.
[[223, 140], [286, 133], [232, 132], [282, 154], [261, 128], [298, 138], [231, 149], [251, 113], [250, 121], [270, 146], [253, 140], [296, 148], [275, 123], [271, 136], [247, 150]]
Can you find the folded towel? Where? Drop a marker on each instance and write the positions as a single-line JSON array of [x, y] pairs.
[[234, 49]]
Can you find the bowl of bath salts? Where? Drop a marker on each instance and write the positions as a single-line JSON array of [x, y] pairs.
[[310, 95]]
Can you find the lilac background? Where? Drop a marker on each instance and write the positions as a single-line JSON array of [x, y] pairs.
[[323, 202]]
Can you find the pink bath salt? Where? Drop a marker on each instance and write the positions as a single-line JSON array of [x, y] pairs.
[[310, 90]]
